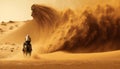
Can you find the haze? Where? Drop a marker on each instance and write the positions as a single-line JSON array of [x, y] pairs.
[[19, 10]]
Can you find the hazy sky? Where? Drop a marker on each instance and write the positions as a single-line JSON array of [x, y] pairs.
[[20, 10]]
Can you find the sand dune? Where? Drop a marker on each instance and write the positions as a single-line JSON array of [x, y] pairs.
[[87, 39]]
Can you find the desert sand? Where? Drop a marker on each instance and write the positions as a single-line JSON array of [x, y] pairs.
[[63, 40]]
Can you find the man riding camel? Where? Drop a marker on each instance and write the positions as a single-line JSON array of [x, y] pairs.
[[27, 48]]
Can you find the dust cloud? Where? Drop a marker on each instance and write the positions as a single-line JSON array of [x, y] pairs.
[[88, 30]]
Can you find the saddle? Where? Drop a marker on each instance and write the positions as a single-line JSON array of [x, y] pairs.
[[27, 47]]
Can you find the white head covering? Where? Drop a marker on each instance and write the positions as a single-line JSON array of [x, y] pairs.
[[27, 38]]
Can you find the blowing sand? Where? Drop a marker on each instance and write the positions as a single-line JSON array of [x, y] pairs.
[[63, 40], [11, 57]]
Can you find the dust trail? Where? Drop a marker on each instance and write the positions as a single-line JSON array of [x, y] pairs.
[[87, 31], [45, 16]]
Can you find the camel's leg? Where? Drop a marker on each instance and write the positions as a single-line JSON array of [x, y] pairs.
[[29, 53], [24, 53]]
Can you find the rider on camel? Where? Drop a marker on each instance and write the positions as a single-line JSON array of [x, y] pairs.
[[27, 44]]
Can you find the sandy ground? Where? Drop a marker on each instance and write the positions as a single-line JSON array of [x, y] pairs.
[[71, 64], [61, 60], [11, 56], [12, 36]]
